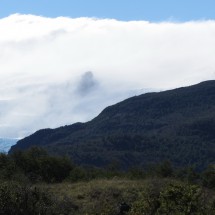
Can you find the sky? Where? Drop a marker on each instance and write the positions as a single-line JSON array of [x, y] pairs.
[[151, 10], [64, 61]]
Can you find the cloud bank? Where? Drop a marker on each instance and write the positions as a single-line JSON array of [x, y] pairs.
[[56, 71]]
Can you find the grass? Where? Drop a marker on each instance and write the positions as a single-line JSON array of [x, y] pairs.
[[102, 196]]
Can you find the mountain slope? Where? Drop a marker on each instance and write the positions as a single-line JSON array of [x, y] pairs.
[[178, 125]]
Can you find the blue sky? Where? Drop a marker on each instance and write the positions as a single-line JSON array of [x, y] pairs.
[[151, 10]]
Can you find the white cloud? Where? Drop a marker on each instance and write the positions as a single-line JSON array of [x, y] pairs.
[[43, 65]]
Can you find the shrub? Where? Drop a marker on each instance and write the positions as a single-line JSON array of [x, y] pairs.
[[174, 199], [19, 199], [22, 200], [37, 165]]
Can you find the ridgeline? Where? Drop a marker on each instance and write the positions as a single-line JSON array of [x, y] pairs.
[[176, 125]]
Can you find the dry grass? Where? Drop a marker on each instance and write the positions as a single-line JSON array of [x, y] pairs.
[[104, 196], [101, 196]]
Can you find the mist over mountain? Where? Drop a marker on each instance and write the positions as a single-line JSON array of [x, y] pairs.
[[176, 125], [62, 70], [6, 143]]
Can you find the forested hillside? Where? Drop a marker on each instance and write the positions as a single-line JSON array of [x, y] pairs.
[[176, 125]]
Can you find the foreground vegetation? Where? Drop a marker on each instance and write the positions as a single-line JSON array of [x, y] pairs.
[[33, 182]]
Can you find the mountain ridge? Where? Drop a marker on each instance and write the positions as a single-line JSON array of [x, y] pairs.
[[176, 125]]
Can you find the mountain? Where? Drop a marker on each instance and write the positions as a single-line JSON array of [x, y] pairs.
[[6, 143], [176, 125]]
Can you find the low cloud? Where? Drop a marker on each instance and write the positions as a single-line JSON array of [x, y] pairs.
[[87, 84], [45, 63]]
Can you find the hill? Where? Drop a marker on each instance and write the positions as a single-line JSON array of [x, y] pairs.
[[176, 125]]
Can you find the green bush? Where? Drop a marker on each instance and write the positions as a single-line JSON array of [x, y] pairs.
[[172, 199], [37, 165], [208, 177], [16, 199], [19, 199], [181, 199]]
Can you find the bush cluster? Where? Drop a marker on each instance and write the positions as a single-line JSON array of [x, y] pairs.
[[23, 172]]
